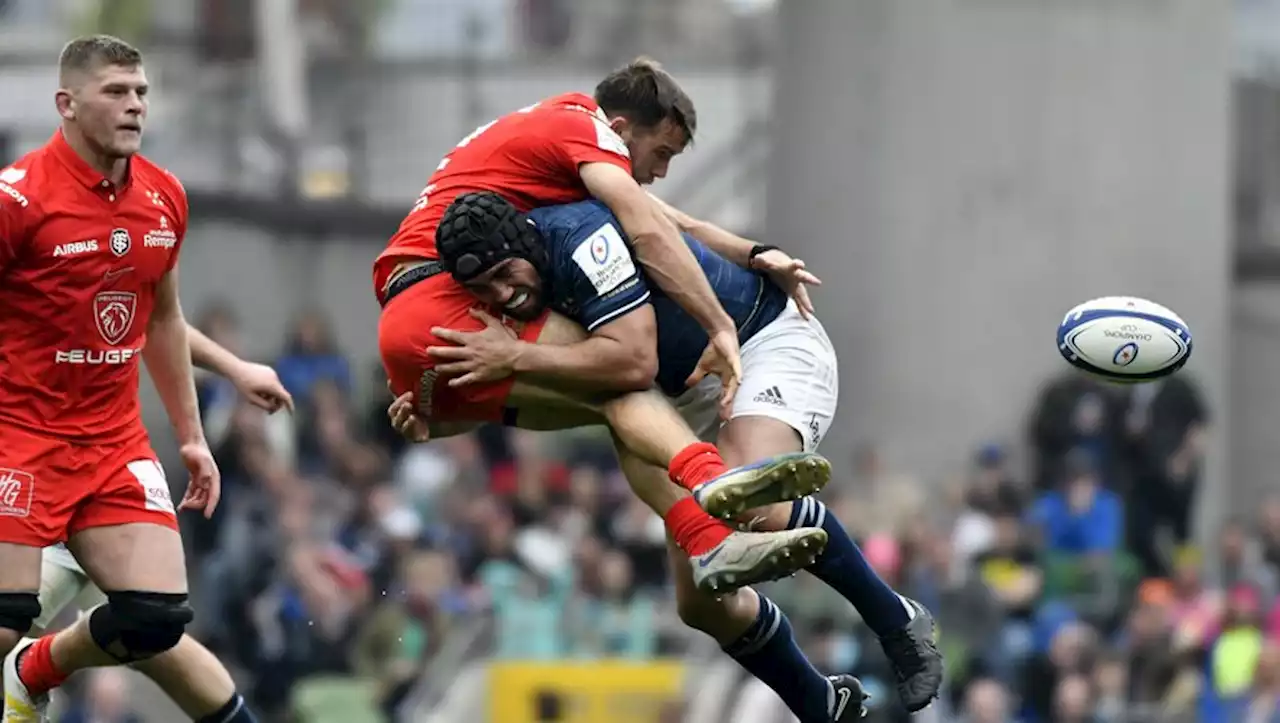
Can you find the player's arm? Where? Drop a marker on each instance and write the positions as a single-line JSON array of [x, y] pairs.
[[785, 271], [257, 382], [725, 243], [666, 258], [12, 230], [168, 359], [613, 306], [621, 352], [209, 354], [620, 355]]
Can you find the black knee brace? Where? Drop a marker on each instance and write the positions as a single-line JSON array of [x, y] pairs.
[[18, 610], [134, 626]]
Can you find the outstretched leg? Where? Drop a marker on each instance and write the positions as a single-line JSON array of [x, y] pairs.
[[749, 627], [905, 628]]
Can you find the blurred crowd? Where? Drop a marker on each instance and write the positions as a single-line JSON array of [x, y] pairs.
[[1070, 593]]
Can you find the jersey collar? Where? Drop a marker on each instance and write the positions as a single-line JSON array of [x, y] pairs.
[[80, 169]]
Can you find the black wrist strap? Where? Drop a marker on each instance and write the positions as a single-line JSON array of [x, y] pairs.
[[757, 250]]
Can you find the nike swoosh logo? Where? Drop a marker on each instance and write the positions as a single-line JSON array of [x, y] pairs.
[[116, 273], [711, 556], [845, 694]]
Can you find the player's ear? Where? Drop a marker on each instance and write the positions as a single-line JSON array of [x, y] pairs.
[[620, 125], [65, 103]]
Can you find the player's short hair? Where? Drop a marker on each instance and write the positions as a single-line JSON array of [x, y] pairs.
[[647, 95], [91, 51]]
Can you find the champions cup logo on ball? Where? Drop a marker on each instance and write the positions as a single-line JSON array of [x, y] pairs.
[[1124, 339], [1125, 355]]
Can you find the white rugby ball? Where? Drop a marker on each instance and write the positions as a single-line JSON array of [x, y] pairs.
[[1124, 339]]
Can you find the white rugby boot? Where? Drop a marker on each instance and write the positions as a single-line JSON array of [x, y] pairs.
[[782, 478], [747, 558], [19, 705]]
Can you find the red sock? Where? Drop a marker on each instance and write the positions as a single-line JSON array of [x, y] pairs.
[[37, 670], [696, 464], [694, 530]]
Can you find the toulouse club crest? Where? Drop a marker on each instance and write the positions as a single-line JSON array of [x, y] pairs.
[[113, 310], [120, 241]]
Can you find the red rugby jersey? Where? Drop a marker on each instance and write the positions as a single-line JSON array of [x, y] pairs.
[[80, 259], [530, 157]]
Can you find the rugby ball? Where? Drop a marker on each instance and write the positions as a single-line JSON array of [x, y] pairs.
[[1124, 339]]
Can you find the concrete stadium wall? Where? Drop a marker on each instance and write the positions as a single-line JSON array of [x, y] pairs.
[[410, 116], [964, 171], [1255, 395]]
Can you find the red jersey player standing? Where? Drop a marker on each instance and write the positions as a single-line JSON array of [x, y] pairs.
[[89, 240], [566, 148]]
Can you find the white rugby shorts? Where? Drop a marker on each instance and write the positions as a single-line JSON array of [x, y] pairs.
[[789, 373], [63, 582]]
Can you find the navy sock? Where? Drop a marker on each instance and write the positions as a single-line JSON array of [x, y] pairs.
[[768, 651], [842, 567], [234, 711]]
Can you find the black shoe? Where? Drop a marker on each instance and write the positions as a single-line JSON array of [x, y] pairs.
[[916, 660], [849, 699]]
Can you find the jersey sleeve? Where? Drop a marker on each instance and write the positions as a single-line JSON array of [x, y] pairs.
[[579, 137], [13, 228], [604, 280]]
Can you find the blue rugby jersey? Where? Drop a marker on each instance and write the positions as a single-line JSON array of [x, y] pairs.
[[593, 280]]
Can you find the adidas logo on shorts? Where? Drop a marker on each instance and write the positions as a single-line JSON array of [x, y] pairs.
[[772, 396]]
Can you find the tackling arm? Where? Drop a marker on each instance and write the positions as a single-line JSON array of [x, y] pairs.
[[667, 260], [168, 359], [618, 356], [726, 243]]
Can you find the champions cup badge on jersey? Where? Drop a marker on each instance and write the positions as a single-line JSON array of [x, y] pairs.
[[605, 260], [16, 490], [160, 238], [120, 241], [600, 249], [113, 310]]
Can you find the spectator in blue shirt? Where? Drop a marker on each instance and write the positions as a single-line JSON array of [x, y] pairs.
[[312, 356], [1081, 517]]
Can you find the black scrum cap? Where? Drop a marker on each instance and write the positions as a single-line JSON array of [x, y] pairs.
[[481, 230]]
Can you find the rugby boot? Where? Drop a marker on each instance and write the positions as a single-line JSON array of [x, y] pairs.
[[916, 661], [850, 701], [776, 479], [19, 705], [747, 558]]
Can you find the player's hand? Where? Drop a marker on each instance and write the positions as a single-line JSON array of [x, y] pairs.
[[480, 356], [406, 421], [791, 275], [205, 488], [259, 384], [722, 358]]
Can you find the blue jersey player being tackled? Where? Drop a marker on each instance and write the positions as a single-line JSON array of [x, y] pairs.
[[575, 260]]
